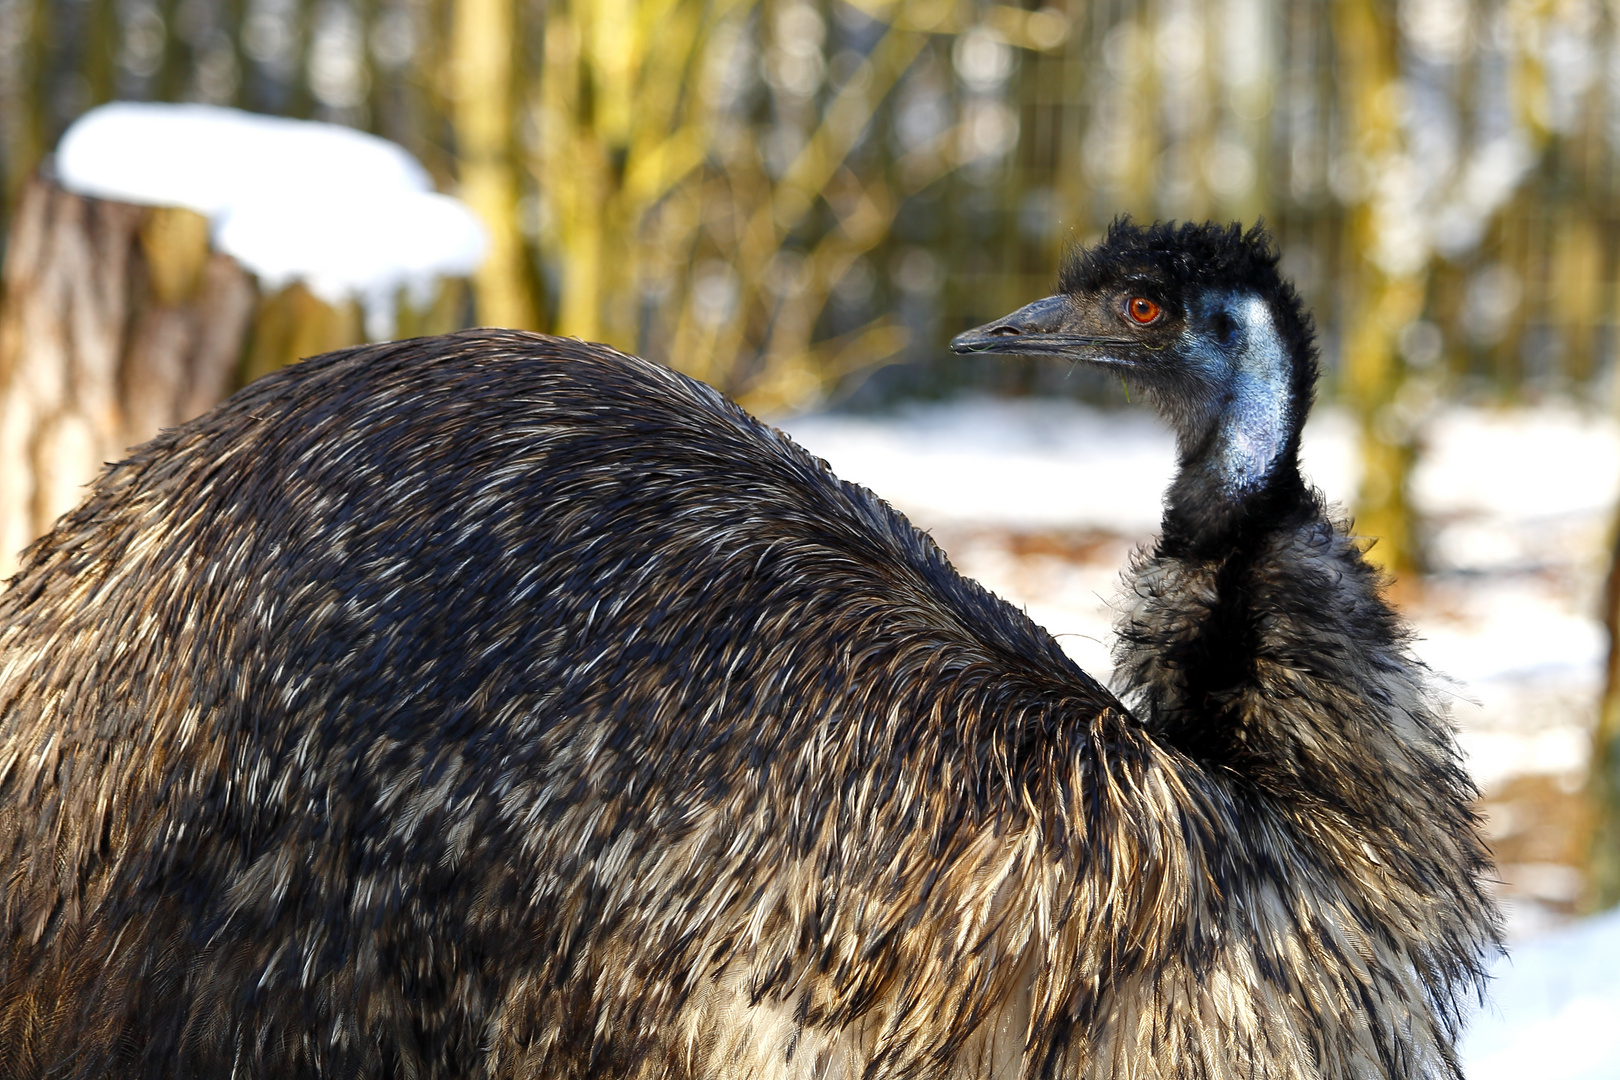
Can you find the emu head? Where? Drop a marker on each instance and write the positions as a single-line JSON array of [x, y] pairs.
[[1197, 319]]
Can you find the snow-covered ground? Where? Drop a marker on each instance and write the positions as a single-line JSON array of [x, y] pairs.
[[1554, 1012], [1044, 501]]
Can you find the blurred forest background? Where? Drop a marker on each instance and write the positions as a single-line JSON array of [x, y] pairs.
[[799, 201], [784, 196]]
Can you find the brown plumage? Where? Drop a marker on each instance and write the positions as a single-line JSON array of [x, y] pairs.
[[497, 705]]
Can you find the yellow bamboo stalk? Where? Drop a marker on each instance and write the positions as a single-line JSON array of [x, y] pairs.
[[642, 180], [483, 33], [294, 323], [175, 244], [573, 172], [807, 180], [607, 156], [846, 115], [1577, 268], [1379, 303], [26, 103]]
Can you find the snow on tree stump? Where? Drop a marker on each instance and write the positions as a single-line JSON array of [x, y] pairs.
[[119, 318], [117, 321]]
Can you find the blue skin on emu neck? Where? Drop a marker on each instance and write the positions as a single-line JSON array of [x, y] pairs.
[[1252, 370]]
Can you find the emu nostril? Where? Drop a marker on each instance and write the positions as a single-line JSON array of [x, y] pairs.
[[1005, 330]]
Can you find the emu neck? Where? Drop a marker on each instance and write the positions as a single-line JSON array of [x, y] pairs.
[[1239, 465]]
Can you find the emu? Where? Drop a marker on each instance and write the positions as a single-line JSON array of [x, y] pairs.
[[496, 705]]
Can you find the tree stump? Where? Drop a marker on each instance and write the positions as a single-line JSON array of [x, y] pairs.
[[117, 321], [1603, 780]]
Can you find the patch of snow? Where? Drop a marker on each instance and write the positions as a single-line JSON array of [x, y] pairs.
[[1508, 731], [1073, 599], [1024, 463], [1035, 462], [1513, 631], [1328, 455], [1519, 464], [1554, 1009], [348, 213], [1519, 533]]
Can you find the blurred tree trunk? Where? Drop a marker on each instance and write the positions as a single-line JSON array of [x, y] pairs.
[[1382, 294], [1604, 778], [482, 51], [118, 321], [1577, 289]]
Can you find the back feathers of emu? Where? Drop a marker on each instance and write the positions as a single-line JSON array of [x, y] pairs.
[[496, 705]]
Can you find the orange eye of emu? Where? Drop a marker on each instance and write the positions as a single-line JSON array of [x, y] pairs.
[[1142, 310]]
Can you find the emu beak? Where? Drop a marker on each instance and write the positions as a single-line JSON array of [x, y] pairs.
[[1038, 329]]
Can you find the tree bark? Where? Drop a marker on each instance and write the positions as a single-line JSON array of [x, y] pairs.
[[117, 321], [1603, 781]]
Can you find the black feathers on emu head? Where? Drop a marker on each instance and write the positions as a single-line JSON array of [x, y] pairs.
[[1197, 317]]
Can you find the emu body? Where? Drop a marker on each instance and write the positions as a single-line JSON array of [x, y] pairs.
[[502, 706]]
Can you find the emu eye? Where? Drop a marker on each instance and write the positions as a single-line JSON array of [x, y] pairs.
[[1142, 311]]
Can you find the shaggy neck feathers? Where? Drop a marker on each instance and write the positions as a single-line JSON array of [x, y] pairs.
[[1258, 643]]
